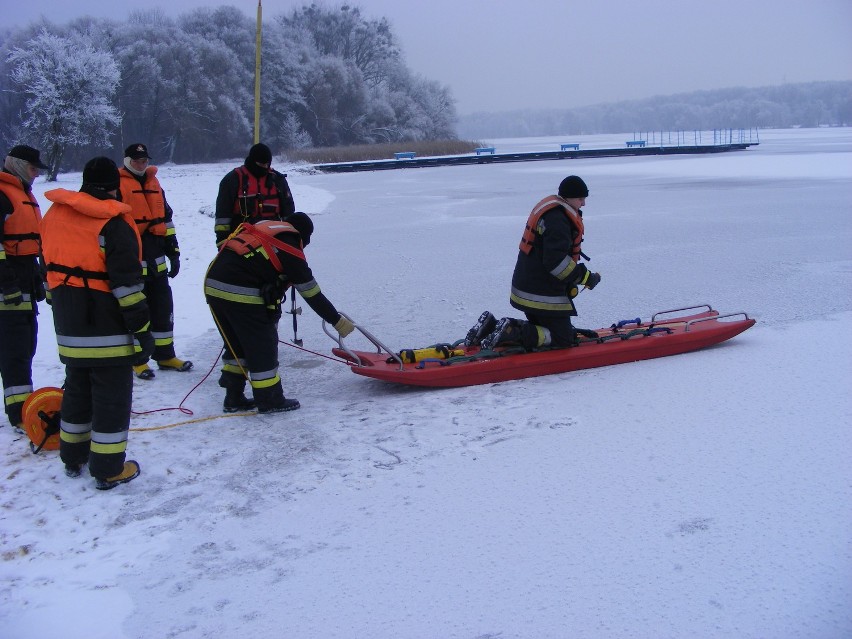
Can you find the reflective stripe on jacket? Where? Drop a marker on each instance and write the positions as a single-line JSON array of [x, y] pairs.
[[547, 267], [92, 250]]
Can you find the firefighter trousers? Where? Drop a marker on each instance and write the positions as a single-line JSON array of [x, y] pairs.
[[95, 420], [161, 306], [250, 332], [18, 340]]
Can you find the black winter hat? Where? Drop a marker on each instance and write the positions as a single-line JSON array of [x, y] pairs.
[[260, 153], [28, 154], [572, 186], [137, 151], [302, 223], [101, 173]]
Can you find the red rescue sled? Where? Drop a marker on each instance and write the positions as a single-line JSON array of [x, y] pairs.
[[628, 341]]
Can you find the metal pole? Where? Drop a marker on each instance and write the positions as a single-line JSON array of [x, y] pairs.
[[257, 77]]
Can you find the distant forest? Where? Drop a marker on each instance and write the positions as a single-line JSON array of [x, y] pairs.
[[809, 104]]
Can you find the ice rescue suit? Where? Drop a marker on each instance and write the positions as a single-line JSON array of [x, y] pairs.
[[92, 252], [21, 288], [548, 272], [153, 217], [251, 194], [241, 282]]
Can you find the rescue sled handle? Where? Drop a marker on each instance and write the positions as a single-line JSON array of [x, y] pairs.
[[714, 318], [372, 338], [701, 307]]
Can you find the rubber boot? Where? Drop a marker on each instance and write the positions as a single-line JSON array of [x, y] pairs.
[[272, 400], [484, 325], [508, 331], [129, 472], [237, 402]]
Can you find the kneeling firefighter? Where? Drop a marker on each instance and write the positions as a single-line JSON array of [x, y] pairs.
[[244, 287]]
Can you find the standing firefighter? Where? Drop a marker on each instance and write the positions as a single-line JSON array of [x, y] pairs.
[[20, 281], [251, 193], [547, 276], [93, 251], [141, 190], [244, 287]]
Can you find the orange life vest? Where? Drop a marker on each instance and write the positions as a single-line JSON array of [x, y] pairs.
[[260, 238], [20, 229], [257, 199], [147, 203], [548, 203], [70, 231]]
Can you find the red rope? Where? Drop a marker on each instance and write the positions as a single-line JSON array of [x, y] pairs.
[[180, 406], [186, 411], [307, 350]]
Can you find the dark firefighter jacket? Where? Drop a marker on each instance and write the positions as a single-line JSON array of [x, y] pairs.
[[245, 197], [242, 268], [545, 278], [92, 252]]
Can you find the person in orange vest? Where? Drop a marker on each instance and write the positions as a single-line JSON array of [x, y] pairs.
[[547, 276], [244, 288], [251, 193], [141, 190], [21, 286], [93, 253]]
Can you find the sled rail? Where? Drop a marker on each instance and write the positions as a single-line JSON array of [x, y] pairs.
[[689, 323], [704, 308], [353, 356]]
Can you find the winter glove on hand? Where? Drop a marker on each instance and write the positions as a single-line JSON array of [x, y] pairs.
[[591, 280], [144, 347], [174, 266], [344, 326], [38, 289], [271, 294], [12, 295]]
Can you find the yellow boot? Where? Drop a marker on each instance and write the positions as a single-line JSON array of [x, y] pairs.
[[143, 372], [174, 364], [129, 472]]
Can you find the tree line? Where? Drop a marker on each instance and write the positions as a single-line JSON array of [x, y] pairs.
[[808, 104], [185, 86]]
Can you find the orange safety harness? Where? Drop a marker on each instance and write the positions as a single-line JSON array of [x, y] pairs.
[[545, 205], [263, 233]]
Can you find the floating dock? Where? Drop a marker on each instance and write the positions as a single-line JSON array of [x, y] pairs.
[[409, 161]]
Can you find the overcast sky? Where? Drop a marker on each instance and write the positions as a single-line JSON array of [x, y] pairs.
[[499, 55]]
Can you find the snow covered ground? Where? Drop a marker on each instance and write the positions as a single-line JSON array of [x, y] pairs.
[[702, 495]]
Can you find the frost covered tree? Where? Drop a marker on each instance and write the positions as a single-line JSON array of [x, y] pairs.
[[69, 86], [180, 91], [344, 33]]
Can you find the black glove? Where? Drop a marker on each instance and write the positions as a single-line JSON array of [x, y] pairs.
[[271, 294], [174, 265], [38, 289], [592, 280], [144, 347], [12, 295]]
